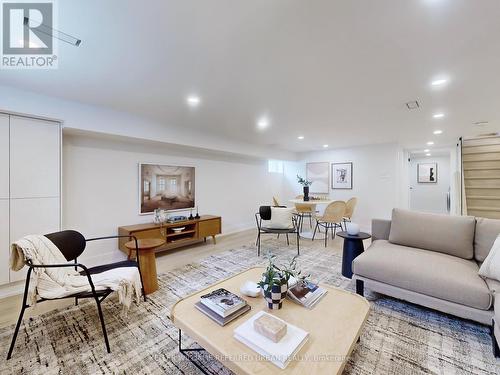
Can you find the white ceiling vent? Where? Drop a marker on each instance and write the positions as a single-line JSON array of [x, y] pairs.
[[480, 123], [413, 105]]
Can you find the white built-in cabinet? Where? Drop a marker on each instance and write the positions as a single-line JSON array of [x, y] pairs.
[[30, 183]]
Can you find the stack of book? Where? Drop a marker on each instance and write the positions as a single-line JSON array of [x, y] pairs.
[[306, 294], [280, 353], [222, 306]]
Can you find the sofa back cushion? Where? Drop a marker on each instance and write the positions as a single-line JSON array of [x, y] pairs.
[[487, 231], [453, 235]]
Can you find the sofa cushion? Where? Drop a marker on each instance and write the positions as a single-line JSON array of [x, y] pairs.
[[487, 231], [452, 235], [431, 273]]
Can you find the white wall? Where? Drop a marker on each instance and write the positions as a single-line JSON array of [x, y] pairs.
[[376, 174], [430, 197], [100, 190]]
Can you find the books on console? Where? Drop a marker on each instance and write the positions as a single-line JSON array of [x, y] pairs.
[[222, 306], [306, 294], [280, 353]]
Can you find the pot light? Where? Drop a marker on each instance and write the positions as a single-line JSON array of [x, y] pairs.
[[193, 101], [426, 150], [438, 115], [437, 132], [263, 123], [300, 137], [427, 154], [439, 82], [430, 143], [325, 146]]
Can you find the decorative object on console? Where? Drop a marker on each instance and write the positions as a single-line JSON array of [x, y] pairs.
[[319, 175], [352, 228], [274, 283], [197, 214], [305, 183], [167, 187], [342, 175], [427, 173], [191, 217]]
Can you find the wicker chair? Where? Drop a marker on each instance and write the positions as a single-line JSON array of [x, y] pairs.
[[331, 219], [304, 211], [349, 211]]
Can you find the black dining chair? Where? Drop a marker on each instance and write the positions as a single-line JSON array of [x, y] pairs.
[[72, 244], [265, 214]]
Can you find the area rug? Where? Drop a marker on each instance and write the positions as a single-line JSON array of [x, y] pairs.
[[398, 338]]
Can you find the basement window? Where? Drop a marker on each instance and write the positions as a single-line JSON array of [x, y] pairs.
[[275, 166]]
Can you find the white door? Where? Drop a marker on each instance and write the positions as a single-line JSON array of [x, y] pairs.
[[34, 158], [32, 216], [430, 196], [4, 156], [4, 241]]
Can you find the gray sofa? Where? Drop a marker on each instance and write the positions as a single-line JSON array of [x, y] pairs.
[[433, 260]]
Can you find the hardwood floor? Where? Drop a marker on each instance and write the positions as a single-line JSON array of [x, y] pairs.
[[10, 306]]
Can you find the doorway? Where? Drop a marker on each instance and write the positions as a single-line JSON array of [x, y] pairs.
[[430, 182]]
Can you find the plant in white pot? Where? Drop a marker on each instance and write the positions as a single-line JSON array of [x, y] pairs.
[[274, 283]]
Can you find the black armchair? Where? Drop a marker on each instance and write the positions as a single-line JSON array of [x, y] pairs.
[[265, 214], [72, 244]]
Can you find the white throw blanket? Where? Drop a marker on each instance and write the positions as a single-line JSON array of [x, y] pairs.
[[64, 281]]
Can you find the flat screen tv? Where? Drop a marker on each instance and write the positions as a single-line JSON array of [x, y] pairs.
[[167, 187]]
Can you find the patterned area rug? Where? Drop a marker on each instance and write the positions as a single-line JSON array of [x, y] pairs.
[[398, 338]]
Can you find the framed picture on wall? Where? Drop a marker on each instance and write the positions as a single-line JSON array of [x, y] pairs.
[[342, 175], [427, 173], [166, 187], [319, 174]]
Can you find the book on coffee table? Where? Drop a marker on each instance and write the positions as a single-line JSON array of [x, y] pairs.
[[223, 302], [279, 353], [307, 294], [219, 319]]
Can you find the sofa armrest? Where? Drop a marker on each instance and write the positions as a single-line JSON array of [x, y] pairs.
[[381, 229]]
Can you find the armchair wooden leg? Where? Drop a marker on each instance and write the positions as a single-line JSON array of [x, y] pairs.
[[326, 233], [287, 240], [258, 245], [298, 243]]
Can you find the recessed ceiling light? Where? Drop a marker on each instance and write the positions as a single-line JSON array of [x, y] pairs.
[[193, 100], [263, 123], [427, 154], [437, 132], [300, 137], [438, 115], [439, 82], [325, 146], [426, 150], [430, 143]]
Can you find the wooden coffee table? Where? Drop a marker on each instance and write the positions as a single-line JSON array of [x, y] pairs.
[[147, 261], [334, 327]]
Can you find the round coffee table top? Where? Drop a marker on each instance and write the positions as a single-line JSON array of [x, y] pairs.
[[145, 243], [359, 236]]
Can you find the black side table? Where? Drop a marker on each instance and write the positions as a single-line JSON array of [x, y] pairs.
[[353, 246]]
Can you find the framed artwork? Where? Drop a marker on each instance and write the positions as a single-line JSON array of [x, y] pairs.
[[167, 187], [319, 174], [342, 175], [427, 173]]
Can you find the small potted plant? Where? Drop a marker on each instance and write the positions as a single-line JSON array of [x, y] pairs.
[[305, 183], [274, 283]]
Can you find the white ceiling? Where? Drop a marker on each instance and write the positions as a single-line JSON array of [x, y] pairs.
[[337, 72]]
